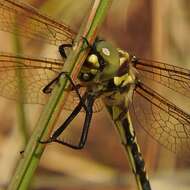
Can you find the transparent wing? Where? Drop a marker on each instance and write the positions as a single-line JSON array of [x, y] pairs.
[[17, 16], [36, 74], [161, 119], [173, 77]]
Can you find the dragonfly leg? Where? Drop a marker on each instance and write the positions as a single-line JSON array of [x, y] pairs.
[[58, 132], [87, 42], [49, 87], [88, 117], [62, 49], [63, 46], [76, 88]]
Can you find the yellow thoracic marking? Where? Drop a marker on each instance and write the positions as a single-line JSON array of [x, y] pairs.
[[122, 60], [123, 80], [124, 56], [128, 80], [119, 80]]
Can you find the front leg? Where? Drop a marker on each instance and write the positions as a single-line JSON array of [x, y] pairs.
[[62, 49], [88, 117], [49, 87], [58, 132]]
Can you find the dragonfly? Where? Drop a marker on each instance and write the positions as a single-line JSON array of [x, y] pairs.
[[109, 73]]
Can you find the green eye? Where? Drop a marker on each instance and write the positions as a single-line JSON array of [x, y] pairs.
[[110, 56]]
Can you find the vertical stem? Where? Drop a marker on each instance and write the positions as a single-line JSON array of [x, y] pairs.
[[34, 149], [129, 141], [20, 84]]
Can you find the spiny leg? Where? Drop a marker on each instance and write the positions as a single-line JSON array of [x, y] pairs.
[[63, 46], [87, 42], [58, 132], [62, 49], [49, 87], [88, 117], [91, 46]]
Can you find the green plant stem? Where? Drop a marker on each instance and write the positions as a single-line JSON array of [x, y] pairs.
[[20, 83], [34, 149], [128, 138]]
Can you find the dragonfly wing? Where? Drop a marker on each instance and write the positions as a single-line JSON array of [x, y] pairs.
[[161, 119], [173, 77], [35, 74], [27, 21]]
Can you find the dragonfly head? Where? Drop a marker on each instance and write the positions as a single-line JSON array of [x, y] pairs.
[[105, 62], [102, 63]]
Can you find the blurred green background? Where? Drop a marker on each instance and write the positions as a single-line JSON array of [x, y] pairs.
[[156, 29]]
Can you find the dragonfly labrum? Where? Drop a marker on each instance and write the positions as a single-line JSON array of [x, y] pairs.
[[109, 73]]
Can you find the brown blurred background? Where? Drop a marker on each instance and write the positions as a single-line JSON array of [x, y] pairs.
[[156, 29]]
